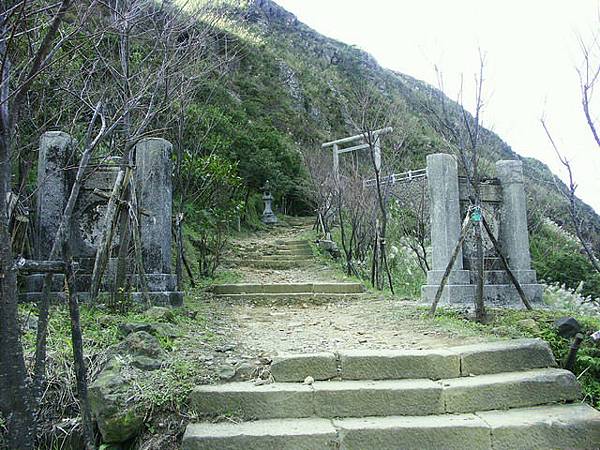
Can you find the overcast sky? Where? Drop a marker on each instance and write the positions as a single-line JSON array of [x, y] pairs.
[[531, 49]]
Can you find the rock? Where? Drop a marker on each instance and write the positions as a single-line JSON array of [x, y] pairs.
[[160, 314], [225, 348], [226, 372], [156, 329], [142, 343], [165, 329], [133, 327], [529, 325], [309, 380], [567, 327], [146, 363], [245, 371], [117, 419]]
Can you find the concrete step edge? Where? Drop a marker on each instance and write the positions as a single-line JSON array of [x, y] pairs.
[[556, 426], [387, 397], [284, 288], [377, 364]]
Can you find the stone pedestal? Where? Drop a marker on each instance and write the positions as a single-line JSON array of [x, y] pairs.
[[442, 175]]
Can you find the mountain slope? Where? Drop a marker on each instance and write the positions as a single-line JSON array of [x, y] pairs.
[[300, 85]]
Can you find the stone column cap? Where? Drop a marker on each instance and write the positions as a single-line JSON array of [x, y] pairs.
[[509, 171]]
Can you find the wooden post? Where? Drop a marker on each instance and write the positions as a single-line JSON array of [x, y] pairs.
[[511, 275], [463, 234]]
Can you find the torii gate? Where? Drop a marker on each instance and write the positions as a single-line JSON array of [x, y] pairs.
[[361, 146]]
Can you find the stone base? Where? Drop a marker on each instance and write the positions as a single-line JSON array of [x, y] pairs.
[[456, 277], [170, 298], [156, 282], [269, 219], [497, 295]]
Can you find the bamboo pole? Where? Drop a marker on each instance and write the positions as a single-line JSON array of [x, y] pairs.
[[510, 273], [463, 234]]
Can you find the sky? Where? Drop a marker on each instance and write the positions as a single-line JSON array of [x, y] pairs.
[[531, 50]]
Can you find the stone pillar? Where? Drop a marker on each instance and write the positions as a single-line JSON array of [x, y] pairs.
[[155, 196], [514, 236], [442, 177], [53, 188]]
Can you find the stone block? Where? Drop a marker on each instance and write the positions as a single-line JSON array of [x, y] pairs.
[[240, 288], [509, 390], [449, 432], [377, 398], [296, 367], [554, 426], [244, 399], [290, 434], [338, 288], [398, 364], [504, 356]]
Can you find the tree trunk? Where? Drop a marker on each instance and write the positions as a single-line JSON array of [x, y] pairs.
[[15, 393], [78, 355]]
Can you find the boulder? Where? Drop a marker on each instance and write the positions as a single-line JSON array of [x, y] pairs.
[[141, 343], [156, 329], [160, 314], [118, 420]]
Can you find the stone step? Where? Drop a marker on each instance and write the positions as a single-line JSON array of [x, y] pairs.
[[286, 257], [556, 426], [292, 243], [493, 357], [509, 390], [282, 434], [289, 288], [292, 252], [274, 264], [386, 397], [288, 299]]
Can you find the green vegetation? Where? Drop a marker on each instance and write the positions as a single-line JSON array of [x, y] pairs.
[[557, 258]]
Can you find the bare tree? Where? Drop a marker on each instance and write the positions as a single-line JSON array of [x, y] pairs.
[[354, 204], [589, 72], [569, 194], [464, 137], [20, 21], [368, 111], [320, 188]]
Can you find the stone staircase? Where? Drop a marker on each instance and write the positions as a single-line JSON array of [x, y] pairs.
[[505, 395], [284, 255]]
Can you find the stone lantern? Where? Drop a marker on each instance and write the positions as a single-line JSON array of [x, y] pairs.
[[268, 216]]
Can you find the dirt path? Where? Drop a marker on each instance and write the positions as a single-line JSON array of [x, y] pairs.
[[372, 321]]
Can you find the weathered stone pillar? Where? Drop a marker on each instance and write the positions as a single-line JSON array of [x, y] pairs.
[[53, 188], [442, 176], [154, 192], [514, 236]]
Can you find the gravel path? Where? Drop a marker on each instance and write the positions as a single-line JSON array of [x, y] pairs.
[[371, 321]]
